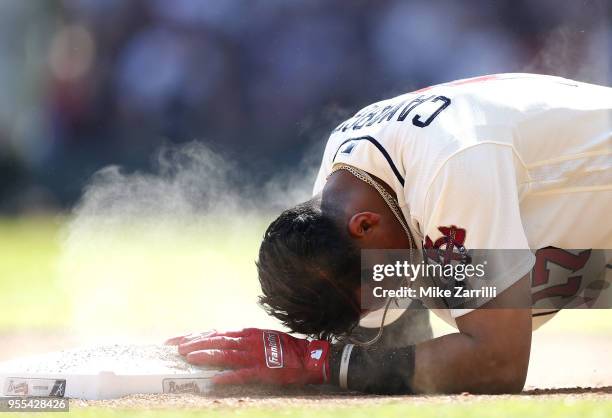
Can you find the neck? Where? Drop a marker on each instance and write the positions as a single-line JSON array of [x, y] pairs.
[[371, 188]]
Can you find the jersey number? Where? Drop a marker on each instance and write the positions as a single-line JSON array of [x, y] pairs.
[[565, 259]]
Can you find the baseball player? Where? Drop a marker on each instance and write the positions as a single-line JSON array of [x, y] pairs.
[[520, 163]]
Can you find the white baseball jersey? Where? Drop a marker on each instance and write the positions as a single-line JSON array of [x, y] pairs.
[[507, 161]]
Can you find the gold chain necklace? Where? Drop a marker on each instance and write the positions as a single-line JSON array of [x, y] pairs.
[[387, 197], [395, 208]]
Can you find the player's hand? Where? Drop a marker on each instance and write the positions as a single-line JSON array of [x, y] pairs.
[[182, 339], [259, 356]]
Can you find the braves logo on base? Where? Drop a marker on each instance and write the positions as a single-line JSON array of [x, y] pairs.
[[18, 386], [185, 385]]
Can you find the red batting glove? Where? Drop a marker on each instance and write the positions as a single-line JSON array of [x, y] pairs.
[[182, 339], [259, 356]]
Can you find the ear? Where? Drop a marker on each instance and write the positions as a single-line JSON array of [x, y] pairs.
[[362, 223]]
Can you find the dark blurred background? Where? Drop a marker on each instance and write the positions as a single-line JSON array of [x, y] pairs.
[[87, 83]]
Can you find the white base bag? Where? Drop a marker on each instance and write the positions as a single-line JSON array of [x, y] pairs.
[[104, 372]]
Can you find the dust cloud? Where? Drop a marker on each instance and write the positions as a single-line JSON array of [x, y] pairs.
[[580, 51], [148, 255]]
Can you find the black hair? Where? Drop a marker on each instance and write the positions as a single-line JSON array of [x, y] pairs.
[[309, 271]]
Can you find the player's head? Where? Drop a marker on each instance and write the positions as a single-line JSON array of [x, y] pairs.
[[309, 261], [309, 271]]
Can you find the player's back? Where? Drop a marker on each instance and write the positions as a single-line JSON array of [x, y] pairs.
[[513, 161], [546, 119], [559, 132]]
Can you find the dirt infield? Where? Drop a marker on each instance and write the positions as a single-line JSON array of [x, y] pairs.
[[313, 398], [562, 366]]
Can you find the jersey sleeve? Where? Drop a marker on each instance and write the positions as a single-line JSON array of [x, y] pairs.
[[472, 203]]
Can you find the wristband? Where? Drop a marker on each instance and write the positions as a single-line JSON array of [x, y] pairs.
[[344, 365], [373, 370]]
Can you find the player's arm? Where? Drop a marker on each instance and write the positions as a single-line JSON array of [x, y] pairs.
[[476, 192], [489, 354]]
